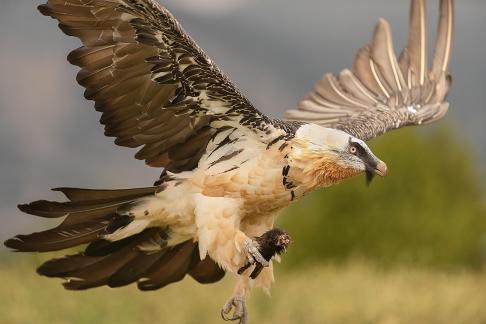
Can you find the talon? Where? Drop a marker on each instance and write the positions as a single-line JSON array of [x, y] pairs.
[[240, 313], [254, 254], [251, 259], [259, 252]]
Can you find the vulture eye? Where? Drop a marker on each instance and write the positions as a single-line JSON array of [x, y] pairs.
[[353, 150]]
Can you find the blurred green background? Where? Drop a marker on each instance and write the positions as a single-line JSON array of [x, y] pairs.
[[409, 248], [430, 210]]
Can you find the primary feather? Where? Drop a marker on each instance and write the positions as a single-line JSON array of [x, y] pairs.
[[382, 92]]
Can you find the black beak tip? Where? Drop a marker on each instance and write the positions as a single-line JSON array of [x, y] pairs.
[[369, 177]]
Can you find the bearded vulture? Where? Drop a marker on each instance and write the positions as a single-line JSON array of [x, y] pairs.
[[228, 170]]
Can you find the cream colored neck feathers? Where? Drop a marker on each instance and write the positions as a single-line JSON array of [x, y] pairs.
[[315, 158]]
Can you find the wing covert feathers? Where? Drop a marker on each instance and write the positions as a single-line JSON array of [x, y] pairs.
[[153, 85], [382, 92]]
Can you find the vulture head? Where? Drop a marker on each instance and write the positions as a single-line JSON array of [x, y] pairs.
[[325, 156]]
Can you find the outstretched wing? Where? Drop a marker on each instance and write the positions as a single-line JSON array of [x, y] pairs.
[[382, 92], [154, 86]]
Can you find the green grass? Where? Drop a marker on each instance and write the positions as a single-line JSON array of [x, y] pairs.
[[354, 293]]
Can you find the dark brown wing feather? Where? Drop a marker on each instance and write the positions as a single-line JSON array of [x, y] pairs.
[[383, 93], [134, 269], [171, 267], [120, 263], [87, 215], [154, 86], [143, 258], [85, 270], [59, 238], [205, 271]]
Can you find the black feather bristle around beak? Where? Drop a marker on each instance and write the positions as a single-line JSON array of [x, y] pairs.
[[369, 177]]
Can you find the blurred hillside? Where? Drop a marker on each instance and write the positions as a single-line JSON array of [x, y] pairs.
[[430, 209]]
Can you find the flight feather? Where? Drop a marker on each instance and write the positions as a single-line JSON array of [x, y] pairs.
[[382, 92]]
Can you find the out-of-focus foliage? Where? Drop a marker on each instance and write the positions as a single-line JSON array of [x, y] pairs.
[[429, 210]]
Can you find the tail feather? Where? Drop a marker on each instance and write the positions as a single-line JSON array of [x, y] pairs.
[[144, 258], [117, 264], [54, 209], [58, 238], [88, 215], [73, 214], [85, 200], [102, 248], [172, 267], [77, 194], [97, 274], [86, 271], [63, 267], [95, 252], [135, 269]]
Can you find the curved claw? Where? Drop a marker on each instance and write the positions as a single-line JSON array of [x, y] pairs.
[[240, 314], [254, 254]]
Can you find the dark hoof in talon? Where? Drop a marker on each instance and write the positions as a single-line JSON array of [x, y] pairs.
[[270, 244], [256, 272], [243, 268]]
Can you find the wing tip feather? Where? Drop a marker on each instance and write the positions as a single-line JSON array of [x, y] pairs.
[[44, 9], [14, 243], [25, 208]]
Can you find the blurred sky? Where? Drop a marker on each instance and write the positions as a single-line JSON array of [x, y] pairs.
[[274, 50]]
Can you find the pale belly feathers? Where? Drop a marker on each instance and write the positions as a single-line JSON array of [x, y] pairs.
[[257, 184]]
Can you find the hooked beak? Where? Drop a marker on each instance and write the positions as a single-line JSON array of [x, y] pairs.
[[381, 169]]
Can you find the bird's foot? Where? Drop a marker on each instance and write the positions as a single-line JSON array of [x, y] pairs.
[[254, 255], [240, 313]]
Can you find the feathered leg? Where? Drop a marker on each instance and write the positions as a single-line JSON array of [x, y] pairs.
[[269, 243], [218, 223]]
